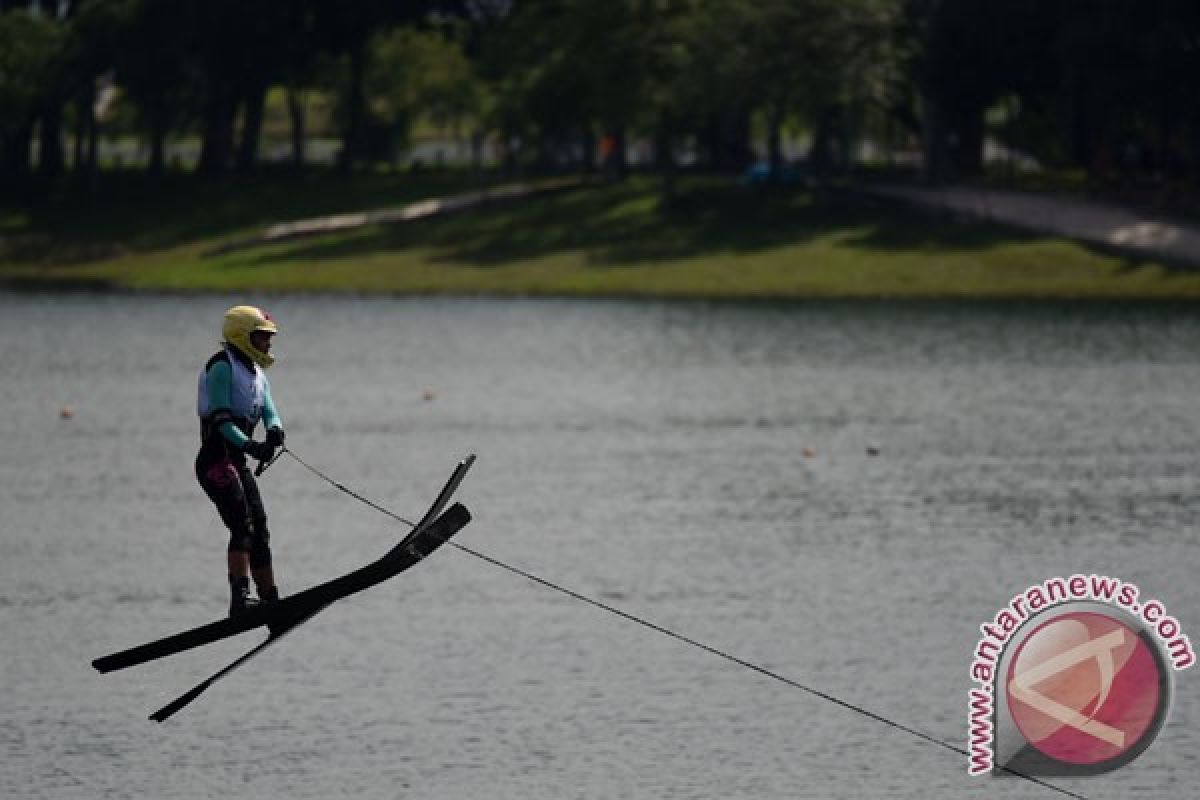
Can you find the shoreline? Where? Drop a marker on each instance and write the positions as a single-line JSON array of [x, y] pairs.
[[100, 289], [575, 239]]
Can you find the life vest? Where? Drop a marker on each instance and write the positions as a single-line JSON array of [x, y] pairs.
[[247, 394]]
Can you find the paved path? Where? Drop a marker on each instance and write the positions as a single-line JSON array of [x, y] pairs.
[[1134, 232]]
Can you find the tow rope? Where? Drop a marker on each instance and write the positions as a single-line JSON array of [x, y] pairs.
[[761, 670]]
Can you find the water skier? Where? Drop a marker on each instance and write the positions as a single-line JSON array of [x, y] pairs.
[[233, 396]]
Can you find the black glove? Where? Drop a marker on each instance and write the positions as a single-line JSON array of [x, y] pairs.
[[275, 437], [263, 451]]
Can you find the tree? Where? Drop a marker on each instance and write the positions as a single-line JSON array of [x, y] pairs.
[[1124, 98], [29, 47], [238, 51], [299, 62], [961, 70], [418, 74], [142, 45]]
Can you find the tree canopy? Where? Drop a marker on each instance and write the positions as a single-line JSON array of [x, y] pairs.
[[1105, 87]]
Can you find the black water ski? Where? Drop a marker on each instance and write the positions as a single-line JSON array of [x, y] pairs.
[[439, 502], [430, 538], [429, 533], [180, 702]]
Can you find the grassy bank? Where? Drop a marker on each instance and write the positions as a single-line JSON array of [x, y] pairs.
[[718, 239]]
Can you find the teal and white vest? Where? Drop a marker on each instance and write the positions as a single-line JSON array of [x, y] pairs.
[[247, 392]]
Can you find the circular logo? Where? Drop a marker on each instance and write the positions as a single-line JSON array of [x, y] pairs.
[[1086, 689]]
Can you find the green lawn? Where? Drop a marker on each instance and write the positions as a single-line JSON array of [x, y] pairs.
[[717, 239]]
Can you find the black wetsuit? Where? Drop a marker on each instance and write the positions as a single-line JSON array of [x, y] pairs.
[[221, 466]]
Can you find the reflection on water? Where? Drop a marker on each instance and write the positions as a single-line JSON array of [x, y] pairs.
[[839, 492]]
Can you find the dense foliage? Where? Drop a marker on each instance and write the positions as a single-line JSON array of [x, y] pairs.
[[1103, 86]]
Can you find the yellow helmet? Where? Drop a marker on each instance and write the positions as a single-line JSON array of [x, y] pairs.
[[240, 322]]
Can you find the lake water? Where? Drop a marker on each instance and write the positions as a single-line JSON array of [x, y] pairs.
[[839, 492]]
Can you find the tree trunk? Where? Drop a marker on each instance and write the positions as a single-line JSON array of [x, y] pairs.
[[933, 142], [1083, 145], [820, 155], [775, 142], [51, 156], [587, 138], [295, 105], [620, 155], [968, 144], [477, 142], [352, 138], [727, 140], [664, 159], [77, 145], [15, 152], [83, 104], [158, 147], [740, 153], [255, 101], [91, 151], [217, 146], [158, 153], [713, 137], [83, 158], [513, 145]]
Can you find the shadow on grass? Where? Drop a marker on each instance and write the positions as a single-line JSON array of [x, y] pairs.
[[130, 212], [611, 225], [625, 224]]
